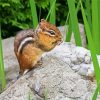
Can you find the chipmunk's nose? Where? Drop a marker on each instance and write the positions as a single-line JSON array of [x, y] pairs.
[[59, 41]]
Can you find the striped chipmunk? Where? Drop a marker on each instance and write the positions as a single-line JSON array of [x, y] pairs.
[[29, 45]]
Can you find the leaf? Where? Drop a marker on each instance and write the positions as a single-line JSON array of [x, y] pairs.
[[4, 4], [42, 3]]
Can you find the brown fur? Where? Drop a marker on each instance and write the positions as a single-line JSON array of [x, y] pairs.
[[29, 57], [41, 42]]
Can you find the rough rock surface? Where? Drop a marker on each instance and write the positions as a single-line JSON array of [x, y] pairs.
[[58, 78]]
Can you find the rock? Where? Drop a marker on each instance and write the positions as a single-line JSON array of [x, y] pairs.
[[87, 59], [90, 72], [74, 59], [56, 79], [76, 68], [10, 61], [83, 70]]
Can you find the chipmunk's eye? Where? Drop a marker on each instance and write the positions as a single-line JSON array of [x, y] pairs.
[[51, 32]]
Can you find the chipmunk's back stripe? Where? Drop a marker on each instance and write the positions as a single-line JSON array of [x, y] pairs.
[[24, 42]]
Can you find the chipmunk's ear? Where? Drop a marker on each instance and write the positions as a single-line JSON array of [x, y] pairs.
[[42, 20]]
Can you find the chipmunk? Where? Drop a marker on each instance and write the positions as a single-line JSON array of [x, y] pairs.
[[29, 45]]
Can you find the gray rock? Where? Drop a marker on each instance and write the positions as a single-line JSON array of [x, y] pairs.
[[76, 68], [55, 79], [83, 70], [87, 59]]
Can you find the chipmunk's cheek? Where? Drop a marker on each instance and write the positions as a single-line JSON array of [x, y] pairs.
[[54, 42]]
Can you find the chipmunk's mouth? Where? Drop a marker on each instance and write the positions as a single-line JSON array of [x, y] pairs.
[[57, 42]]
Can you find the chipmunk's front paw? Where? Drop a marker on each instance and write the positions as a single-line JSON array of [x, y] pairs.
[[40, 62]]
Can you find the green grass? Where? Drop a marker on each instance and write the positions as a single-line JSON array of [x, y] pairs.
[[88, 13], [69, 33], [96, 24], [46, 94], [53, 12], [96, 93], [29, 96], [92, 48], [2, 73], [74, 22], [34, 13]]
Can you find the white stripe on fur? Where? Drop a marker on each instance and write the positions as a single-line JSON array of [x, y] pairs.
[[23, 42]]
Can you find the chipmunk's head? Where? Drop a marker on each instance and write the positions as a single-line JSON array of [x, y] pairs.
[[48, 35]]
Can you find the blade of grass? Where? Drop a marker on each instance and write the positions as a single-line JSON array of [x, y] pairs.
[[2, 74], [53, 13], [99, 25], [29, 97], [69, 33], [91, 46], [78, 7], [51, 8], [74, 22], [46, 94], [88, 10], [96, 93], [34, 13], [96, 24]]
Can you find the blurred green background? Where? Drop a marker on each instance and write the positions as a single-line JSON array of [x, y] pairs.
[[16, 14]]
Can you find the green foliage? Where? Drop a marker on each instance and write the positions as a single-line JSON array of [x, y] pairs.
[[42, 3], [15, 15]]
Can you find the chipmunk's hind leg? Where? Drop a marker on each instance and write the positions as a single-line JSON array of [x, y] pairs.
[[22, 72], [26, 71]]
